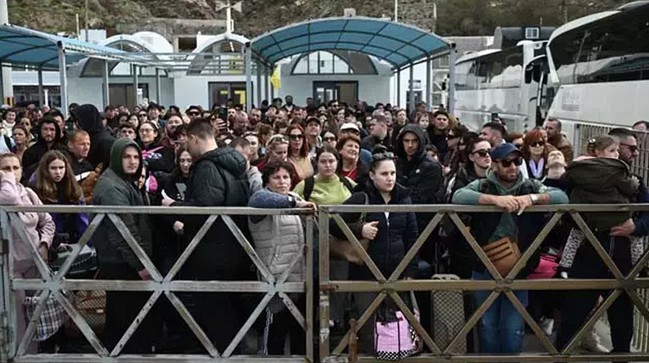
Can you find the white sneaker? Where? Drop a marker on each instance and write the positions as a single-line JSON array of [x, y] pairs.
[[591, 343], [547, 325]]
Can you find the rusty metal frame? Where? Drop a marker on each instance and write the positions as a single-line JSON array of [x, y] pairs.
[[56, 284], [499, 285]]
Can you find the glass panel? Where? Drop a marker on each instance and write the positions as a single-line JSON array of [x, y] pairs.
[[326, 62], [340, 66], [313, 63], [302, 66]]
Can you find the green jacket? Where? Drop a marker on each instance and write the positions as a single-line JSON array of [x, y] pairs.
[[115, 188], [506, 227]]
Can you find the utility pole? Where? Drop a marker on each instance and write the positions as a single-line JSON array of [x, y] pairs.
[[6, 85]]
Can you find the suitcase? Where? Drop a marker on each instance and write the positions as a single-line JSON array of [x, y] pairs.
[[447, 317]]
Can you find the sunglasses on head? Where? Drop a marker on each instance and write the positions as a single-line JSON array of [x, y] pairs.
[[279, 138], [383, 156], [483, 153], [537, 144], [507, 163]]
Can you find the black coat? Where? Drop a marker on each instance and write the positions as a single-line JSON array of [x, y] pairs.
[[101, 139], [395, 236], [422, 175], [33, 155], [217, 179], [439, 139]]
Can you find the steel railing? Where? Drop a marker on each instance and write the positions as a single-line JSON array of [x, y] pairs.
[[385, 287]]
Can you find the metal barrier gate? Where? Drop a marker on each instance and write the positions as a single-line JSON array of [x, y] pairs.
[[13, 347], [390, 286]]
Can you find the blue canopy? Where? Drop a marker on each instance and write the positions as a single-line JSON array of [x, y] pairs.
[[23, 46], [399, 44]]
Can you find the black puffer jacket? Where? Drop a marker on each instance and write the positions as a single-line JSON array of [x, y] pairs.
[[601, 181], [101, 140], [439, 139], [217, 179], [116, 188], [396, 234], [422, 175]]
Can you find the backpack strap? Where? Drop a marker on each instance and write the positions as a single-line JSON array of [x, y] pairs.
[[346, 183], [308, 187]]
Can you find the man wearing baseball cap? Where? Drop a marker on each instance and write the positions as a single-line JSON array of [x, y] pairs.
[[503, 328]]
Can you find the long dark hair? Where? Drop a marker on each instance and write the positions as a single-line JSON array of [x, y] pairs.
[[177, 173], [47, 189]]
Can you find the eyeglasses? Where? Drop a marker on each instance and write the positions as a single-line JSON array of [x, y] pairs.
[[383, 156], [329, 139], [507, 163], [537, 144], [632, 148], [192, 113], [483, 153], [295, 137]]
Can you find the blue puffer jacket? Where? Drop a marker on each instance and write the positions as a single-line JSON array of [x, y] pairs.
[[397, 232]]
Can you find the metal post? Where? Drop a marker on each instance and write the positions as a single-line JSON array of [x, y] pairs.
[[429, 82], [106, 85], [272, 89], [135, 84], [248, 65], [258, 83], [64, 79], [41, 101], [6, 84], [158, 90], [266, 84], [411, 88], [398, 102], [451, 79]]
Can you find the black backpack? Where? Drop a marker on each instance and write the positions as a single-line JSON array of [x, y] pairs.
[[310, 182]]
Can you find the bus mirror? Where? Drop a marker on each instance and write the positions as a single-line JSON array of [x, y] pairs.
[[533, 73]]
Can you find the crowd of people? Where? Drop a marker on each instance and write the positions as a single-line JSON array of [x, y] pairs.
[[281, 155]]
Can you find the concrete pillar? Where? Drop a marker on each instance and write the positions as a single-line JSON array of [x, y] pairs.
[[248, 67], [105, 84], [429, 83], [451, 80], [158, 90], [135, 83], [63, 79], [41, 96], [411, 88]]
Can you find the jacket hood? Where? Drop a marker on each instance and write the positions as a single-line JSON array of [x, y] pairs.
[[89, 119], [226, 158], [57, 137], [596, 173], [116, 153], [491, 176], [421, 136]]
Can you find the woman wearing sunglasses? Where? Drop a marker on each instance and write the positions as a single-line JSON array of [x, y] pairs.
[[298, 152], [390, 234], [535, 152]]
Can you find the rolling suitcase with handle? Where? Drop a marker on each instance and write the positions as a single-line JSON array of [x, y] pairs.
[[447, 317]]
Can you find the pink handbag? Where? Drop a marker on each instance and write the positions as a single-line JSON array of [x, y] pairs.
[[547, 267], [396, 340]]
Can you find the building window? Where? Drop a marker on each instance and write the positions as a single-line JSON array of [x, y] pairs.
[[321, 62]]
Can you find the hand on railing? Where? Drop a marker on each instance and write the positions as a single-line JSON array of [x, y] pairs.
[[507, 202], [370, 230], [308, 205]]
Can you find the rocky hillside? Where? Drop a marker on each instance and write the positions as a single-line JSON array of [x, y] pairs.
[[455, 17]]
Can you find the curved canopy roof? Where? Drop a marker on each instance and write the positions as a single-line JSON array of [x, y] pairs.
[[23, 46], [396, 43]]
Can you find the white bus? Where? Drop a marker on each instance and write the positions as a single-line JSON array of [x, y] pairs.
[[599, 68], [493, 82]]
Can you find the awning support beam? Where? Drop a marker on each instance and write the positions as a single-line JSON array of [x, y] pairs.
[[64, 79]]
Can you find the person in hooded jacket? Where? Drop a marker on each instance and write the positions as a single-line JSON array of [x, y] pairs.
[[117, 261], [87, 118], [391, 234], [50, 139], [217, 179]]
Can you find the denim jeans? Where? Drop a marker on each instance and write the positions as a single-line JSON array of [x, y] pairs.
[[502, 328]]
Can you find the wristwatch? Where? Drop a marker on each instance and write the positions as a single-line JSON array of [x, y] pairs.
[[535, 198]]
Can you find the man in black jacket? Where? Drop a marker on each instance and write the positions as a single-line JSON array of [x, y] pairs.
[[217, 179], [50, 139], [379, 134], [88, 119], [117, 261]]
